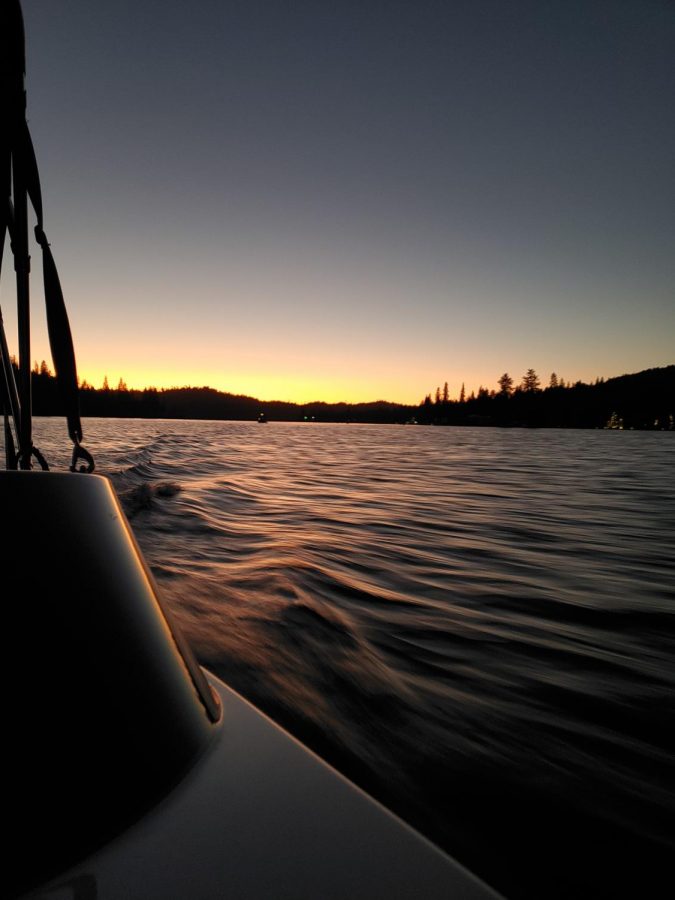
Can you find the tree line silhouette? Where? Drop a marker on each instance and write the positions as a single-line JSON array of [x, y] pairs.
[[645, 400]]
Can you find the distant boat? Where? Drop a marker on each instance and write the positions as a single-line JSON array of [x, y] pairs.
[[262, 418], [615, 422]]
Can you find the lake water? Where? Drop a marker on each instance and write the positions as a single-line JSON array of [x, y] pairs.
[[474, 624]]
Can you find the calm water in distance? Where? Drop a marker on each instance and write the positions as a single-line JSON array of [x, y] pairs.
[[474, 624]]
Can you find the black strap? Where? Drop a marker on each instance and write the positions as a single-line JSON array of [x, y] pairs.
[[58, 326]]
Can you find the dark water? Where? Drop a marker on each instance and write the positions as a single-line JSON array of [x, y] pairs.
[[474, 624]]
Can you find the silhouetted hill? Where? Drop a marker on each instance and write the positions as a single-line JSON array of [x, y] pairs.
[[645, 400]]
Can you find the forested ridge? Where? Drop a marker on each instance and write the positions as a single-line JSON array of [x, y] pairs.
[[644, 400]]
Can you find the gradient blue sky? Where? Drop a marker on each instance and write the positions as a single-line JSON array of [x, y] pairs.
[[357, 200]]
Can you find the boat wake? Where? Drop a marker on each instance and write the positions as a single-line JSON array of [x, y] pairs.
[[143, 496]]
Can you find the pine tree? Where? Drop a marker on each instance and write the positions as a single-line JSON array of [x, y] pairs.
[[530, 381], [462, 394], [505, 385]]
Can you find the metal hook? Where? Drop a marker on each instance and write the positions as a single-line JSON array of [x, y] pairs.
[[79, 452]]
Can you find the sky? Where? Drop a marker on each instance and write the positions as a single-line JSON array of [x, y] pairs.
[[356, 200]]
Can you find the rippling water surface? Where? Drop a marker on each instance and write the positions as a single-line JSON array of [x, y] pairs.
[[474, 624]]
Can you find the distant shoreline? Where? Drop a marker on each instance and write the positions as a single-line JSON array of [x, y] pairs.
[[641, 401], [516, 427]]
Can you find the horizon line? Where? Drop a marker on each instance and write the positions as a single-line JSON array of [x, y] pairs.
[[175, 387]]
